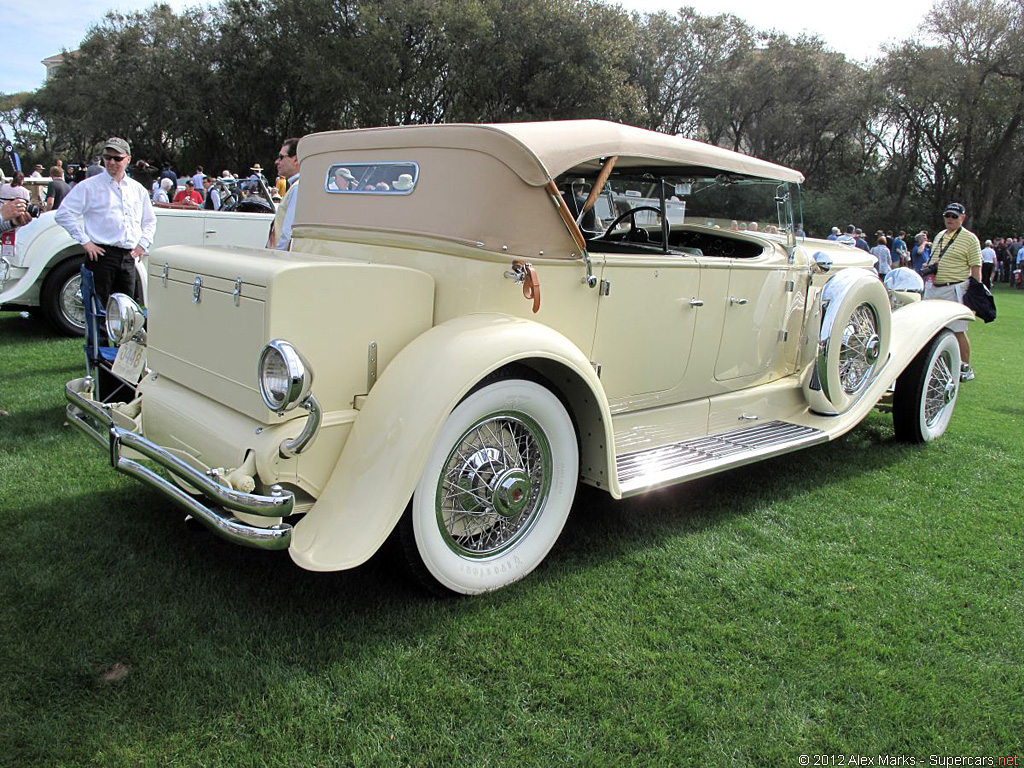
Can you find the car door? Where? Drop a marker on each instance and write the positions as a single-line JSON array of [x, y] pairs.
[[236, 228], [647, 312], [761, 320]]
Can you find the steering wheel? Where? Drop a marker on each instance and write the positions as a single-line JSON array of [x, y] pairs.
[[633, 230]]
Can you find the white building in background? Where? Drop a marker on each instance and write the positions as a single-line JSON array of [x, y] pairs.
[[52, 63]]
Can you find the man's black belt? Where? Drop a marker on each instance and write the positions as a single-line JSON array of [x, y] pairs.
[[115, 247], [943, 285]]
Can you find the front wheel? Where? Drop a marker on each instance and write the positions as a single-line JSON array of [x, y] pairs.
[[496, 489], [926, 391]]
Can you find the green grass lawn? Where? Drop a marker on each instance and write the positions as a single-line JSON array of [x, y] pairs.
[[861, 597]]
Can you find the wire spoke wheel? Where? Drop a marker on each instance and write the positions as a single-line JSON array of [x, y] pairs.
[[71, 301], [926, 391], [859, 352], [941, 387], [496, 489], [493, 485]]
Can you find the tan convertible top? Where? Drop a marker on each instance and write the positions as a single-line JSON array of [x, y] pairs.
[[490, 186], [541, 151]]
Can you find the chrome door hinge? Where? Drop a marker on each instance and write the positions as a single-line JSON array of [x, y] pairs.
[[163, 275], [237, 293], [197, 289], [371, 365], [606, 288]]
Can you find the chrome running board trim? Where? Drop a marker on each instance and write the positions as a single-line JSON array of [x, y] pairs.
[[641, 471]]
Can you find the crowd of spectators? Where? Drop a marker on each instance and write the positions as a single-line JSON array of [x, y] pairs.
[[198, 191], [1002, 257]]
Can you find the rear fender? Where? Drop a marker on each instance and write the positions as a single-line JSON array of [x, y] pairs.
[[399, 422]]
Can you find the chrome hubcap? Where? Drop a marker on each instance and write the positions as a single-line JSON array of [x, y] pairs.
[[493, 485]]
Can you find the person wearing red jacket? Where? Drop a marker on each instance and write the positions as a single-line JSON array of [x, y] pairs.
[[189, 195]]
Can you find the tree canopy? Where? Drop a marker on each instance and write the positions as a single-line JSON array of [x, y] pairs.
[[932, 120]]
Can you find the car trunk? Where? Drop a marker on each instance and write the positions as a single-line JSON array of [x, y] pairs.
[[212, 310]]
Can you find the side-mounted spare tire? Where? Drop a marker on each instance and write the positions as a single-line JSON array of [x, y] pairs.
[[853, 343]]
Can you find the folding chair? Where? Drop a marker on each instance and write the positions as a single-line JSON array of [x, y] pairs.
[[98, 358]]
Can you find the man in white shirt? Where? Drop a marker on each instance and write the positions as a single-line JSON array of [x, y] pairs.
[[988, 264], [111, 216], [288, 166], [211, 197]]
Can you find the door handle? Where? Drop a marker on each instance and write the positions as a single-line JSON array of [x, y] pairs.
[[695, 302], [734, 300]]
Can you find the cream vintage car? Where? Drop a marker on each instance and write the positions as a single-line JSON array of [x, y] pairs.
[[494, 314], [39, 270]]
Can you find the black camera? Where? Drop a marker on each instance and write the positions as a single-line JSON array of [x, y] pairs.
[[33, 210]]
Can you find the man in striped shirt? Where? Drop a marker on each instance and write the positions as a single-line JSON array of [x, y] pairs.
[[957, 253]]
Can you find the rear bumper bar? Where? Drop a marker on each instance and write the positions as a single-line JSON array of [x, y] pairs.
[[95, 421]]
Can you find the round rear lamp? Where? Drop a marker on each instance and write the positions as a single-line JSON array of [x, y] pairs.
[[285, 378]]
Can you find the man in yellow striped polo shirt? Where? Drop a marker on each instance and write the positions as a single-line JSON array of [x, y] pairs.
[[957, 253]]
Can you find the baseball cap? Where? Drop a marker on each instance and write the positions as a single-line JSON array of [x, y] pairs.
[[119, 144], [955, 208]]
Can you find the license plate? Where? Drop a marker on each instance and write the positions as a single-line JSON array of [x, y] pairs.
[[130, 361]]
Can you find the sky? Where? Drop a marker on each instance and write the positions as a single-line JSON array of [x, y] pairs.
[[37, 29]]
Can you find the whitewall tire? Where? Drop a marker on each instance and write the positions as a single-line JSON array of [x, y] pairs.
[[496, 489], [926, 391]]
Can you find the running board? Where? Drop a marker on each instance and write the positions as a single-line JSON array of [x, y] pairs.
[[643, 470]]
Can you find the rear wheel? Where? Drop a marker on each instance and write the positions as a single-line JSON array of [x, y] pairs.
[[926, 391], [61, 297], [496, 489]]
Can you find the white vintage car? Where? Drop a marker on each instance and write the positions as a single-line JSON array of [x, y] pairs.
[[40, 270], [496, 313]]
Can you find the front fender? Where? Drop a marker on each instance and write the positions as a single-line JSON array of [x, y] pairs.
[[39, 246], [397, 426], [914, 325]]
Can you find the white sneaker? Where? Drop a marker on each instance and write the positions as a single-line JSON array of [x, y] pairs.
[[966, 372]]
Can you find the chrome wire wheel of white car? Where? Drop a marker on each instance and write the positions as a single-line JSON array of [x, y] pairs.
[[926, 391], [859, 353], [61, 297], [496, 489], [71, 304]]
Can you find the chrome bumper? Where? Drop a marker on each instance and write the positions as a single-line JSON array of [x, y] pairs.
[[95, 421]]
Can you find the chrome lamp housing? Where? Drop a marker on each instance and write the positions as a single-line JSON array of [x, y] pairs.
[[286, 381], [285, 377], [125, 319]]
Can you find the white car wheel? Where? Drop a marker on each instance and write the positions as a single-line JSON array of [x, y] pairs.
[[61, 298], [496, 489], [926, 391]]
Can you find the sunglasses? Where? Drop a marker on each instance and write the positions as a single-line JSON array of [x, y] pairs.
[[284, 157], [115, 158], [951, 215]]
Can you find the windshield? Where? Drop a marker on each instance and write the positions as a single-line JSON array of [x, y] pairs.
[[724, 202]]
